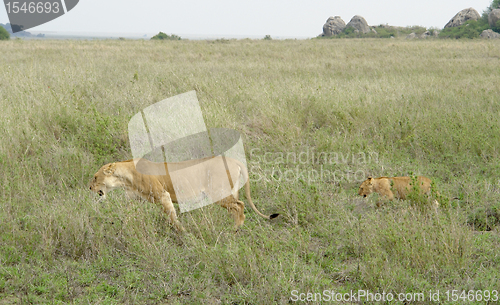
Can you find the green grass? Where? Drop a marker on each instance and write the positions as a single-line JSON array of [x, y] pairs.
[[373, 107]]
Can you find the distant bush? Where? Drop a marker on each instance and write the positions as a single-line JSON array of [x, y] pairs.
[[4, 35], [385, 33], [268, 37], [496, 28], [484, 17], [350, 32], [163, 36], [220, 40], [470, 29], [494, 5]]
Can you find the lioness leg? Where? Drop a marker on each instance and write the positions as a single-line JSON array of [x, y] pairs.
[[239, 216], [385, 196], [168, 208], [236, 208]]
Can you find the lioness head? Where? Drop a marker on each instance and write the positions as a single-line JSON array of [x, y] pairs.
[[366, 187], [105, 180]]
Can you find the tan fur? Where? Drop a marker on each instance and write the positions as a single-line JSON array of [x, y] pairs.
[[393, 187], [159, 188]]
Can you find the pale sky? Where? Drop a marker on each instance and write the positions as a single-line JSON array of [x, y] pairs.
[[256, 18]]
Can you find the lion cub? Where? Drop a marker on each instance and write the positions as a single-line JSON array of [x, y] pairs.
[[390, 187]]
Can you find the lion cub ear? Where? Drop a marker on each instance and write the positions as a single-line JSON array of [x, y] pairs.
[[109, 169], [370, 180]]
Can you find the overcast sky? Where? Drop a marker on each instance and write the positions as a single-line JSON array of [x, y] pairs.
[[238, 18]]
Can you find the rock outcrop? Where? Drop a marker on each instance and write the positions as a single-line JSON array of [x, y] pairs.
[[489, 34], [333, 26], [359, 23], [462, 17], [493, 17], [411, 36], [425, 34]]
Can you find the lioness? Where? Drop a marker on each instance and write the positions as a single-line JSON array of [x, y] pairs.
[[386, 186], [159, 188]]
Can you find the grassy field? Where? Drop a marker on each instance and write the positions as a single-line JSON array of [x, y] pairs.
[[372, 107]]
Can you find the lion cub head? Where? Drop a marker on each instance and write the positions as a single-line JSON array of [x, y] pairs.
[[366, 188], [105, 180]]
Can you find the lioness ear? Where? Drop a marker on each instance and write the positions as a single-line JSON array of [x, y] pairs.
[[370, 180], [109, 169]]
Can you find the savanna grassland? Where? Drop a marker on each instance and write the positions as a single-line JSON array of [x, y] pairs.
[[316, 118]]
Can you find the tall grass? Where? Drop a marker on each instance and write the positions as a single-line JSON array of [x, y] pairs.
[[373, 107]]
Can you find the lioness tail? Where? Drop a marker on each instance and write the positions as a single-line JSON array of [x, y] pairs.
[[247, 192]]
